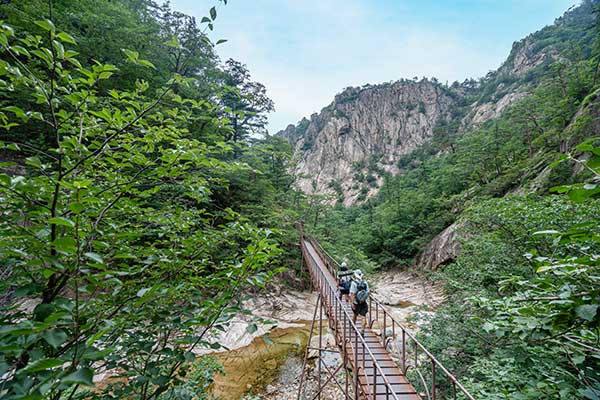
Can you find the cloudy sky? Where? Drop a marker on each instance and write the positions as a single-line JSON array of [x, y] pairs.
[[306, 51]]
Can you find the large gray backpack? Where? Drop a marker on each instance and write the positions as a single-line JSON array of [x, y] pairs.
[[362, 292]]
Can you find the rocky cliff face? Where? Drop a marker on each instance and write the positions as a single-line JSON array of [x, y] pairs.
[[442, 249], [525, 56], [345, 150]]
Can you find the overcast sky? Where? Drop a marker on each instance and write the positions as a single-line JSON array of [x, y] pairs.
[[306, 51]]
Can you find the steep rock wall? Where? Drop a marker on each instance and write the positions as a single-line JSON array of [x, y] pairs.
[[442, 249], [346, 149]]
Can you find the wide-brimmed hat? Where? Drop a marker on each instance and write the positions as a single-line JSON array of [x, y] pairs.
[[358, 275]]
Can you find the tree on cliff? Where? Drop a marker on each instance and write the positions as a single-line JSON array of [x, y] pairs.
[[246, 102]]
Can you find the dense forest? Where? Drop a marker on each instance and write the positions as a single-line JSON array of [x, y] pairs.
[[140, 198], [521, 319]]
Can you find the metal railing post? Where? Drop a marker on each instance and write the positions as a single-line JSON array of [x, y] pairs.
[[356, 365], [371, 312], [364, 369], [375, 381], [403, 351], [432, 380], [312, 328], [384, 333], [320, 344]]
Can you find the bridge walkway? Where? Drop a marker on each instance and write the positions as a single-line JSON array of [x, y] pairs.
[[377, 375]]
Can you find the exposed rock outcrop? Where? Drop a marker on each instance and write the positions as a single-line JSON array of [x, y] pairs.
[[446, 245], [346, 149], [525, 56], [444, 248], [487, 111], [285, 310]]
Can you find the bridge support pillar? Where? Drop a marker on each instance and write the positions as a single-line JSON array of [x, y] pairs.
[[325, 373]]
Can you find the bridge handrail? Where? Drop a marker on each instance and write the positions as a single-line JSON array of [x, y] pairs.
[[332, 294], [331, 263]]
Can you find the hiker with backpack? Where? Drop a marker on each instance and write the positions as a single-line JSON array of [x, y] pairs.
[[359, 294], [344, 280]]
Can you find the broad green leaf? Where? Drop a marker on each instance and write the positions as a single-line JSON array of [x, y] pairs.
[[590, 393], [82, 184], [587, 311], [19, 113], [580, 195], [34, 161], [46, 24], [83, 376], [42, 311], [25, 328], [544, 268], [146, 63], [94, 257], [578, 359], [62, 221], [5, 180], [560, 189], [42, 365], [65, 37], [65, 244], [55, 337], [76, 207], [173, 42], [594, 162], [98, 355], [488, 327], [132, 56]]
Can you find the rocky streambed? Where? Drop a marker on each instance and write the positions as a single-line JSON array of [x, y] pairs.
[[410, 298], [266, 347], [266, 363], [275, 358]]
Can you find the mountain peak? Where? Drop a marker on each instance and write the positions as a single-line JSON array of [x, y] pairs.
[[345, 151]]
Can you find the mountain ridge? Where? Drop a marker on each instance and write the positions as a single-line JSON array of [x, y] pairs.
[[345, 151]]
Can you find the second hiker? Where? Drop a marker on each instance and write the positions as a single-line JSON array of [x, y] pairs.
[[359, 294], [344, 280]]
